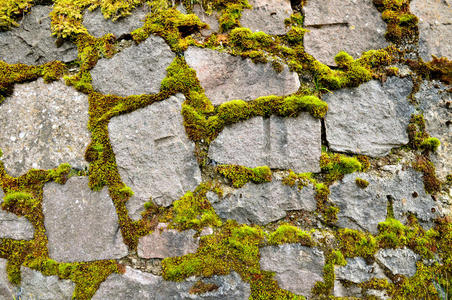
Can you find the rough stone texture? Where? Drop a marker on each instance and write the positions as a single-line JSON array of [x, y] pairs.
[[154, 156], [135, 70], [267, 16], [43, 125], [14, 227], [398, 261], [135, 284], [435, 27], [165, 242], [365, 208], [353, 26], [6, 288], [350, 291], [370, 119], [32, 43], [357, 270], [34, 286], [226, 77], [262, 203], [98, 26], [297, 267], [435, 101], [211, 20], [81, 225], [285, 143]]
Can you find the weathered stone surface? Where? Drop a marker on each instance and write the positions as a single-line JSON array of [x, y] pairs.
[[353, 26], [398, 261], [285, 143], [435, 27], [98, 26], [262, 203], [297, 267], [34, 285], [226, 77], [6, 288], [211, 20], [14, 227], [43, 125], [135, 284], [435, 100], [365, 208], [135, 70], [32, 43], [165, 242], [357, 270], [370, 119], [81, 225], [267, 16], [154, 156]]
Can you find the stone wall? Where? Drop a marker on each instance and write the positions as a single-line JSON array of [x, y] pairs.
[[225, 149]]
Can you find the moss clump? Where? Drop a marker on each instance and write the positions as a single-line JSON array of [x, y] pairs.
[[354, 243], [430, 144], [19, 202], [362, 183], [343, 59], [11, 10], [240, 175], [13, 272], [201, 287], [325, 287], [336, 165], [300, 179], [431, 183], [60, 174], [436, 69], [287, 233]]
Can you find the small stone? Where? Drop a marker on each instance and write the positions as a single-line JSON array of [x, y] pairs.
[[32, 42], [297, 267], [284, 143], [98, 26], [357, 271], [154, 156], [225, 77], [55, 118], [370, 119], [267, 16], [398, 261], [165, 242], [135, 70], [353, 26], [14, 227], [81, 225], [6, 288], [262, 203], [435, 28], [350, 291], [34, 285]]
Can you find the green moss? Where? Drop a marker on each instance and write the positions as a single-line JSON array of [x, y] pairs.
[[354, 243], [343, 59], [287, 233], [11, 10], [336, 165], [13, 272], [60, 174], [240, 175], [325, 288], [431, 183], [300, 179], [19, 201], [362, 183], [430, 144]]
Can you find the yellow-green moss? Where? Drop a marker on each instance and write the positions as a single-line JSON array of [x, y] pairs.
[[287, 233], [300, 179], [240, 175], [362, 183], [354, 243], [11, 10], [336, 165]]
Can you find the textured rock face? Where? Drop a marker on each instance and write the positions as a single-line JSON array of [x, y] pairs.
[[262, 203], [435, 27], [357, 270], [98, 26], [297, 267], [135, 70], [365, 208], [211, 20], [434, 101], [81, 225], [370, 119], [138, 285], [32, 43], [43, 125], [6, 288], [154, 156], [34, 285], [285, 143], [14, 227], [353, 26], [398, 261], [226, 77], [267, 16], [167, 243]]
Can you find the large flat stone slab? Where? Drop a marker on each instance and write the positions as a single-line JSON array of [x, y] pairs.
[[81, 225], [135, 70], [357, 270], [267, 16], [370, 119], [353, 26], [435, 27], [134, 284], [297, 267], [226, 77], [262, 203], [42, 126], [6, 288], [154, 156], [398, 261], [284, 143], [14, 227], [32, 43]]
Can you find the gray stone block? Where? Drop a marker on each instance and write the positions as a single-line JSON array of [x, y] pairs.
[[267, 16]]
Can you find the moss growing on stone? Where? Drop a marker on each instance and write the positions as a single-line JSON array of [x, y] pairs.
[[240, 175], [336, 165], [430, 144], [11, 11], [362, 183], [354, 243], [431, 183], [287, 233]]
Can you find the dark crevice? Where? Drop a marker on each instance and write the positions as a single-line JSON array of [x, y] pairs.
[[323, 134]]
